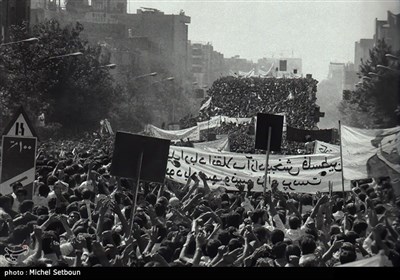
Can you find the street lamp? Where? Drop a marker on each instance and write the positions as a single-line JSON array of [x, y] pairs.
[[388, 55], [109, 66], [374, 74], [33, 39], [145, 75], [388, 68], [64, 55]]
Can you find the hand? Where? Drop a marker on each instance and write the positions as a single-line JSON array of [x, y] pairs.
[[97, 248], [202, 176], [240, 187], [55, 246], [268, 197], [189, 238], [79, 242], [274, 186], [378, 229], [337, 244], [324, 199], [38, 232], [250, 185], [153, 234], [232, 256], [136, 231], [200, 239], [222, 249]]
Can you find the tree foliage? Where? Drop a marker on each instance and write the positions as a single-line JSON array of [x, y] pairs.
[[375, 101], [74, 91]]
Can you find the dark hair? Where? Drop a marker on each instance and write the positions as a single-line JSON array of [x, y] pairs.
[[22, 191], [234, 219], [279, 250], [160, 209], [20, 234], [224, 237], [151, 198], [51, 180], [292, 250], [17, 186], [52, 203], [359, 226], [26, 206], [256, 215], [277, 235], [4, 200], [307, 244], [380, 209], [334, 229], [234, 244], [212, 247], [351, 236], [41, 210], [294, 222], [347, 256], [351, 208], [43, 190]]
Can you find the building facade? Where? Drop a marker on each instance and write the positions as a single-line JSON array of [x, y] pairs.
[[207, 65], [13, 12]]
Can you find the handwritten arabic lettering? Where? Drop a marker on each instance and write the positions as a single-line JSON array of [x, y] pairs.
[[293, 173], [12, 254], [19, 145]]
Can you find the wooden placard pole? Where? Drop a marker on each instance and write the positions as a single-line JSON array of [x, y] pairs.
[[267, 159], [341, 160], [136, 190]]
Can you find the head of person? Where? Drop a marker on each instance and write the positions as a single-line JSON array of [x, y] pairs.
[[26, 206], [277, 235], [307, 244], [16, 187], [292, 250], [279, 250], [212, 247], [21, 194], [294, 222]]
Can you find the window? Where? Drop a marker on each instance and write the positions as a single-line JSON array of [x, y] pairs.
[[295, 71], [282, 65]]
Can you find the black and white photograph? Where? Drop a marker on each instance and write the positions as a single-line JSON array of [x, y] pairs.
[[198, 134]]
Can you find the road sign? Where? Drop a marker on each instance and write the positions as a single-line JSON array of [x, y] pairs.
[[18, 161], [20, 125]]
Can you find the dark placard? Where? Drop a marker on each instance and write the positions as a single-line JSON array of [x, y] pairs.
[[300, 135], [264, 121], [18, 163], [127, 149]]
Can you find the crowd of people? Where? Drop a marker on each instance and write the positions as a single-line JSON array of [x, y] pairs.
[[80, 215], [246, 97]]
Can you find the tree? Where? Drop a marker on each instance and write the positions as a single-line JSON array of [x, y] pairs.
[[373, 104], [74, 91]]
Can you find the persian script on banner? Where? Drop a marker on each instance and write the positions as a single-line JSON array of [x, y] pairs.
[[371, 153], [325, 148], [302, 173], [191, 133]]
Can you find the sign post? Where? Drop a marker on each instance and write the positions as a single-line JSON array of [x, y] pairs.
[[141, 158], [18, 162], [268, 127]]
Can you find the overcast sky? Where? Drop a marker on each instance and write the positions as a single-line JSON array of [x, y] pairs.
[[316, 31]]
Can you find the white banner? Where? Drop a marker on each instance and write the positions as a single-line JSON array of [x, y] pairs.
[[217, 145], [303, 173], [192, 133], [369, 153], [321, 147], [216, 121], [211, 123]]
